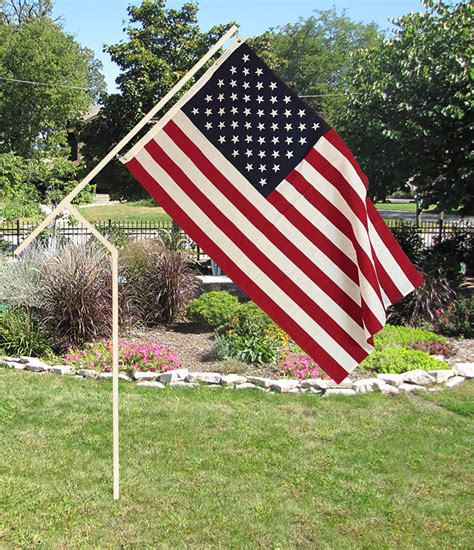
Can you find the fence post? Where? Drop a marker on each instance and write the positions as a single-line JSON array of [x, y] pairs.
[[17, 232]]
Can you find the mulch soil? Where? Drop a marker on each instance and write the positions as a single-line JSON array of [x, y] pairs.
[[194, 346]]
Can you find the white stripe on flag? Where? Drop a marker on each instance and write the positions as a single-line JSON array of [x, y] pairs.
[[230, 249], [265, 244]]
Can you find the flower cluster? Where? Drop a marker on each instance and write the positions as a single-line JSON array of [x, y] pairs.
[[300, 366], [133, 356]]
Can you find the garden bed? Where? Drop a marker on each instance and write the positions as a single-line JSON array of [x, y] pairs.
[[196, 352]]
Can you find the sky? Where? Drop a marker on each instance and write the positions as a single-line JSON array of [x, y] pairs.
[[98, 22]]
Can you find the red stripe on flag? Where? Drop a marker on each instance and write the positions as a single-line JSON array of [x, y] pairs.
[[254, 292], [334, 139], [270, 230], [393, 246], [337, 218], [278, 276]]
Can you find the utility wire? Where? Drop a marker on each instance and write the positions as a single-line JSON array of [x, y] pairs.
[[43, 83]]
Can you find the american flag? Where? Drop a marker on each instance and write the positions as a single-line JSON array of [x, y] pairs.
[[275, 197]]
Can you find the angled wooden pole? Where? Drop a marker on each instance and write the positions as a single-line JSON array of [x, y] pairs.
[[93, 173]]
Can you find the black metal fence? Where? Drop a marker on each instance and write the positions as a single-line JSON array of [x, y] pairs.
[[13, 233]]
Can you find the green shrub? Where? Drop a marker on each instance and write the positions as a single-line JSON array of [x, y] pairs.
[[398, 336], [21, 334], [251, 336], [213, 308], [250, 320], [457, 319], [398, 360]]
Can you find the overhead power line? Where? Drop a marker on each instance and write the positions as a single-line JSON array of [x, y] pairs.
[[43, 83]]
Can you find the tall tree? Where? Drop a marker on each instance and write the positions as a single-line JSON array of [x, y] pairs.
[[47, 78], [15, 12], [313, 56], [162, 45], [410, 117]]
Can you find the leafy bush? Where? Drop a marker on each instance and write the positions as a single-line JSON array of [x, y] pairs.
[[251, 336], [457, 319], [133, 356], [398, 360], [21, 334], [213, 308], [160, 282], [397, 336]]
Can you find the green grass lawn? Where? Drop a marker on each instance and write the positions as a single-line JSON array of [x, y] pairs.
[[126, 212], [228, 469], [401, 207]]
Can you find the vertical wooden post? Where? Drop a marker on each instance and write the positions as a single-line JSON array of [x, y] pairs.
[[115, 379]]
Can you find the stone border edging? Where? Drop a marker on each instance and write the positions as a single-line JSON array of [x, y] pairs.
[[388, 384]]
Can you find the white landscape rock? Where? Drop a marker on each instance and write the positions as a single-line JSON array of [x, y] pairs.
[[408, 388], [465, 369], [454, 381], [368, 384], [12, 359], [392, 379], [145, 375], [182, 384], [285, 386], [233, 379], [177, 375], [314, 383], [87, 373], [338, 391], [387, 389], [150, 384], [204, 377], [248, 386], [110, 375], [260, 381], [38, 367], [344, 385], [419, 377], [63, 369], [441, 375], [14, 365]]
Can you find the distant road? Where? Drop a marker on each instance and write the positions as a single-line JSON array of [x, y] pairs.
[[397, 214]]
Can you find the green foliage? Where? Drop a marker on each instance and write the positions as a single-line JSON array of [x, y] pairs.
[[398, 360], [21, 334], [398, 336], [55, 176], [213, 308], [250, 336], [313, 56], [163, 44], [408, 117], [250, 320], [457, 319], [34, 117], [25, 184], [17, 198]]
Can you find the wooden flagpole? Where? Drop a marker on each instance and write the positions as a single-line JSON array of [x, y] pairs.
[[66, 204]]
